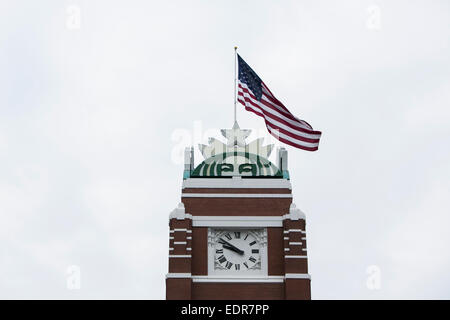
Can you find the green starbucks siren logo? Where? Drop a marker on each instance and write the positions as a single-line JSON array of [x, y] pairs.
[[236, 158]]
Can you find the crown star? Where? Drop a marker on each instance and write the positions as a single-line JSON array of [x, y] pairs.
[[236, 136]]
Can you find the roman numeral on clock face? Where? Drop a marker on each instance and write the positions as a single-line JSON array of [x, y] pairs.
[[237, 266], [220, 251], [255, 250], [252, 259], [229, 265], [246, 237], [228, 236], [237, 235], [222, 259], [252, 243], [246, 265]]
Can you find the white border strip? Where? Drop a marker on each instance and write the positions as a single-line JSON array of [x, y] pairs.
[[178, 275], [270, 279], [236, 195], [237, 279], [180, 230], [295, 257], [180, 256], [236, 183], [297, 276], [294, 230]]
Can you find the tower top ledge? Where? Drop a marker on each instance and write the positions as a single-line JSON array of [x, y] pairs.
[[237, 182]]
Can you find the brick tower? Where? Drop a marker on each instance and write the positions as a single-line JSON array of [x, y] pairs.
[[236, 233]]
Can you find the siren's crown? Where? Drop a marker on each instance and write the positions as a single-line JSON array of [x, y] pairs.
[[236, 157]]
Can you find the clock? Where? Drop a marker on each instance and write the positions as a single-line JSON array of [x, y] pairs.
[[234, 251]]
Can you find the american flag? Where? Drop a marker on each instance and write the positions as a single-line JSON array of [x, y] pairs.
[[282, 124]]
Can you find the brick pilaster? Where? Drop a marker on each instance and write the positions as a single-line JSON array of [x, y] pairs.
[[178, 280], [297, 280]]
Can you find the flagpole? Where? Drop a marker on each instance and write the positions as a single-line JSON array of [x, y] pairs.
[[235, 81]]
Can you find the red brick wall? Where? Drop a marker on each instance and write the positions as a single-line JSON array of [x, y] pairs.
[[178, 289], [237, 291], [275, 251], [200, 251], [237, 206], [298, 289]]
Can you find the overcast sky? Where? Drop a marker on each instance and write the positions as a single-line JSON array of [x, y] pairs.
[[97, 98]]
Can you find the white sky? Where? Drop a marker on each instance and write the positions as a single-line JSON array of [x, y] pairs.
[[89, 117]]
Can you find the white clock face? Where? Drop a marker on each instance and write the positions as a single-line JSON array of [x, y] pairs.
[[237, 250]]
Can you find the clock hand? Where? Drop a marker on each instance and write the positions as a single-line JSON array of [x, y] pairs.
[[230, 245], [233, 248], [226, 242]]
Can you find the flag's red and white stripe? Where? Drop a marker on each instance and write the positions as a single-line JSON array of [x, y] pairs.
[[282, 124]]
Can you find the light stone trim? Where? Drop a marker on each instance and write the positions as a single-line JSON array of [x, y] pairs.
[[294, 230], [295, 213], [236, 195], [297, 276], [179, 213], [270, 279], [180, 230], [236, 182], [178, 275], [238, 279]]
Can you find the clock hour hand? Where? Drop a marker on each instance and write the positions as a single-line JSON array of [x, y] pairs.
[[233, 248], [228, 245]]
